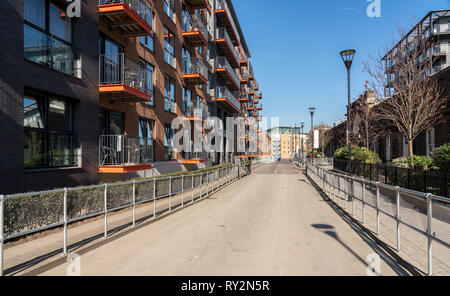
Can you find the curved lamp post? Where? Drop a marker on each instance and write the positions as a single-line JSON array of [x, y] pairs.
[[347, 57]]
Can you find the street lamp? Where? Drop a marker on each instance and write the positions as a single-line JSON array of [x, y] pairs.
[[347, 57], [312, 110], [302, 125]]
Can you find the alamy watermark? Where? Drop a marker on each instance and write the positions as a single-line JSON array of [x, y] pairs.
[[374, 265], [374, 8], [74, 267], [74, 8]]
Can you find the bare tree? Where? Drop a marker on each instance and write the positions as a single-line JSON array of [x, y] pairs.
[[367, 123], [403, 77]]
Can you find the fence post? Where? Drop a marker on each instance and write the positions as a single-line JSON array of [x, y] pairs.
[[239, 173], [154, 198], [352, 192], [2, 229], [430, 233], [105, 201], [364, 203], [378, 208], [192, 191], [134, 203], [397, 190], [170, 194], [201, 184], [182, 190], [65, 222]]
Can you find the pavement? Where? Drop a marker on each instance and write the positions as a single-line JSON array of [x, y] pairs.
[[271, 223]]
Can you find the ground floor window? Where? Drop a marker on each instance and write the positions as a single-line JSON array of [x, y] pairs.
[[48, 137], [168, 137]]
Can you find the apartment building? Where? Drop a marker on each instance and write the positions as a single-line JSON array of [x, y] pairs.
[[92, 98], [287, 142], [434, 31]]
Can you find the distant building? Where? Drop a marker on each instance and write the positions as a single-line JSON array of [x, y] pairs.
[[287, 142]]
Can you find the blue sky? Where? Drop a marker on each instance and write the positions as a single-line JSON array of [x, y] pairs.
[[295, 47]]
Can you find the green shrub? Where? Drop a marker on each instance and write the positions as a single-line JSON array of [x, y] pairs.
[[359, 154], [413, 161], [441, 157]]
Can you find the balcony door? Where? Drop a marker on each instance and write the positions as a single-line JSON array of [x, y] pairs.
[[110, 61], [111, 122]]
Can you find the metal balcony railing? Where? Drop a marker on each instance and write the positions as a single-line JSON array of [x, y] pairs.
[[195, 155], [121, 150], [194, 66], [117, 68], [221, 33], [46, 49], [195, 23], [141, 7], [222, 62], [224, 92], [250, 70]]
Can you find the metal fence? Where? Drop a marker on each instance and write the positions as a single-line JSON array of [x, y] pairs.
[[417, 179], [27, 213], [368, 201]]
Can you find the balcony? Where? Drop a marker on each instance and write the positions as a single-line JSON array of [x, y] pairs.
[[193, 113], [194, 157], [123, 78], [243, 96], [194, 33], [225, 20], [198, 4], [256, 86], [44, 49], [120, 154], [227, 73], [225, 45], [227, 98], [132, 16], [194, 72], [244, 76], [251, 73]]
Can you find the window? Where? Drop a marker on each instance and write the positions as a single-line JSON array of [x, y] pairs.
[[146, 135], [169, 8], [48, 36], [146, 71], [168, 137], [169, 94], [148, 41], [111, 122], [187, 98], [169, 48], [186, 66], [48, 136], [430, 141]]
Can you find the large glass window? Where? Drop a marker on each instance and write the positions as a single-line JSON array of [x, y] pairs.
[[169, 8], [187, 98], [146, 130], [148, 41], [169, 94], [146, 72], [168, 137], [48, 136], [169, 48], [34, 12]]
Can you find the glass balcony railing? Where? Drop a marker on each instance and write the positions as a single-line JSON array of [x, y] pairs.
[[222, 63], [194, 66], [222, 4], [45, 49], [195, 23], [121, 150], [222, 92], [223, 34], [141, 7], [117, 68]]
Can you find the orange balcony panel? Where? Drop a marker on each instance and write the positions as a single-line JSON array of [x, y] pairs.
[[194, 38], [194, 79], [251, 93], [227, 103], [193, 161], [193, 118], [259, 108], [123, 169], [224, 20], [255, 101], [121, 15], [243, 62], [244, 81], [125, 91], [251, 77], [226, 76], [225, 48], [250, 109], [243, 100]]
